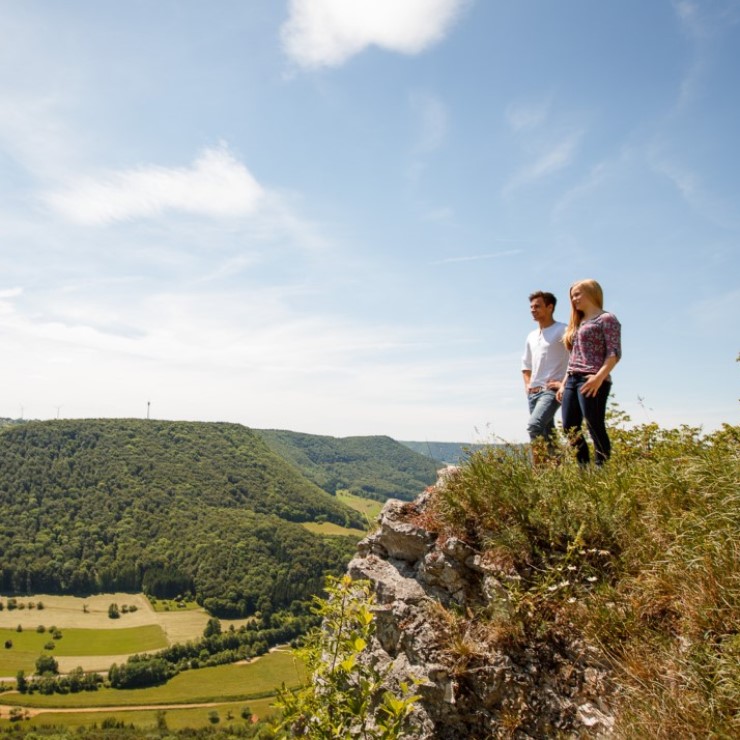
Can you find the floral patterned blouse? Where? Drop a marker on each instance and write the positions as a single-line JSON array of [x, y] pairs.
[[595, 340]]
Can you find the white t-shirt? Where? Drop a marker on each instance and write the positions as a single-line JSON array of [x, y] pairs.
[[545, 354]]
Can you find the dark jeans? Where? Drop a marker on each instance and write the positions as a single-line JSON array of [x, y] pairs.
[[575, 408]]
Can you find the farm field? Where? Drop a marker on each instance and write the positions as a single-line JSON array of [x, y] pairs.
[[223, 688], [89, 647], [85, 622], [92, 640], [229, 714]]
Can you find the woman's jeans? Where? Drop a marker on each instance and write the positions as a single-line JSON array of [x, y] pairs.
[[577, 407]]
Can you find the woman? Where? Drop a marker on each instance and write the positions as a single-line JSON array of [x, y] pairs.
[[594, 339]]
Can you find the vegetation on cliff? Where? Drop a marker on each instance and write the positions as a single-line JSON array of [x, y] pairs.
[[641, 558]]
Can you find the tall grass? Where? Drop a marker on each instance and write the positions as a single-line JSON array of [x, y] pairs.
[[642, 557]]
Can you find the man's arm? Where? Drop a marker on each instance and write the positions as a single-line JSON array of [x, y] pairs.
[[527, 375]]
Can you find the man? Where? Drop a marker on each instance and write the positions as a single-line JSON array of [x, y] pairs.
[[544, 364]]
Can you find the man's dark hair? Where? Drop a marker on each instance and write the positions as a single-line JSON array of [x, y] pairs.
[[547, 298]]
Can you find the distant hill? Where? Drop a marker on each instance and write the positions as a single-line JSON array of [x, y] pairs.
[[374, 467], [104, 505], [451, 453]]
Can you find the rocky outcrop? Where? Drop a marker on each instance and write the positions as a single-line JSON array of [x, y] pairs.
[[428, 589]]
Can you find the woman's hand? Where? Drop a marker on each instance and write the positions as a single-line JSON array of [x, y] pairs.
[[591, 387]]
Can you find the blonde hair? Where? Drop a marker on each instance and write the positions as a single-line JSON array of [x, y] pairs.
[[593, 290]]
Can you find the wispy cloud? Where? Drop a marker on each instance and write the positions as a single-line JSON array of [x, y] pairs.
[[215, 185], [325, 33], [702, 22], [432, 117], [522, 116], [477, 257], [583, 189], [697, 194], [707, 18], [556, 158]]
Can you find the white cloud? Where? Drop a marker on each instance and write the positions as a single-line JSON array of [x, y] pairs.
[[241, 356], [216, 185], [325, 33]]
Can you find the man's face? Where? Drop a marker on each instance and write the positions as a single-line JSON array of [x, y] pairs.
[[540, 312]]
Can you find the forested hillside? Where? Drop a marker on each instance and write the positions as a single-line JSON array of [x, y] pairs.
[[374, 467], [103, 505], [452, 453]]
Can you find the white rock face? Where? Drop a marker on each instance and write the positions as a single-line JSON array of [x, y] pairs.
[[467, 689]]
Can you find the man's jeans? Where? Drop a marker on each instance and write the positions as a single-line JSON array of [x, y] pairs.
[[542, 409]]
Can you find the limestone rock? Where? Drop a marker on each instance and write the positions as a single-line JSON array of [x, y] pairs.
[[467, 689]]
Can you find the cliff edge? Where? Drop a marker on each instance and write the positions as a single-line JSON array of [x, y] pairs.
[[472, 681]]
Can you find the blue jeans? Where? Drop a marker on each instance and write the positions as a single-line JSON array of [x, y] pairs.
[[542, 408], [576, 408]]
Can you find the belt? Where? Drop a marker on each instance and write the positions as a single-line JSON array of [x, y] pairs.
[[537, 389]]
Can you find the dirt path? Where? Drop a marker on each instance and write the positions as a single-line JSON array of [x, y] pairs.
[[35, 711]]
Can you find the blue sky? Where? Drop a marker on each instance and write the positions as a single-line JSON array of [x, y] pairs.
[[327, 215]]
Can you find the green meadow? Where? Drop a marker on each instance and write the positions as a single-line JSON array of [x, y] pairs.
[[370, 508], [170, 605], [28, 645], [229, 715], [333, 530], [228, 683]]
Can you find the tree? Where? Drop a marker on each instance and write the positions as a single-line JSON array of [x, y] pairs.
[[113, 612], [46, 664], [22, 683], [213, 627]]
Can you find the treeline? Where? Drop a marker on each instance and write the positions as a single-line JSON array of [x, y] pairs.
[[215, 648], [74, 682], [164, 507], [374, 467]]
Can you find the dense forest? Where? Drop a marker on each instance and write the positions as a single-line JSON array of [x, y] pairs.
[[375, 467], [165, 507]]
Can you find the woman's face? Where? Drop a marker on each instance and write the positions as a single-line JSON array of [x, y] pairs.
[[581, 300]]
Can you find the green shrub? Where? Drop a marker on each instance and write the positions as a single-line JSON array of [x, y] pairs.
[[344, 696]]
